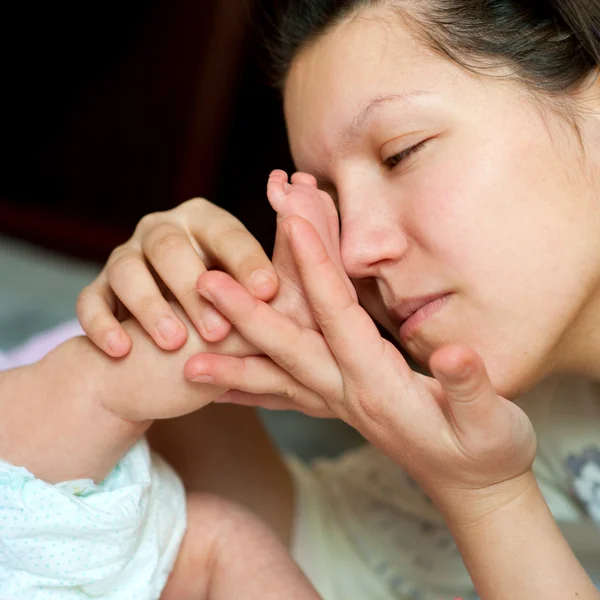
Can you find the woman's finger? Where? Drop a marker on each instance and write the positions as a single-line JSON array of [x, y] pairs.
[[487, 427], [303, 199], [256, 375], [482, 420], [96, 307], [300, 351], [349, 330], [229, 245], [270, 402], [134, 285], [470, 396], [170, 251]]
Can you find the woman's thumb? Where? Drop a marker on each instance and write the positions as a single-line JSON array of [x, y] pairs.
[[470, 396]]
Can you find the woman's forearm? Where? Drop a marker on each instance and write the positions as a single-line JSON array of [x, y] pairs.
[[52, 418], [515, 551]]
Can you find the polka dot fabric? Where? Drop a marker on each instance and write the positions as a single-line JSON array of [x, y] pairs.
[[116, 540]]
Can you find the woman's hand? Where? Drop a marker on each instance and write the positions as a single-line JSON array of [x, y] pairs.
[[167, 253], [452, 433]]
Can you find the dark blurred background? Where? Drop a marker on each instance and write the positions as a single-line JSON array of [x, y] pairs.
[[110, 110], [115, 109]]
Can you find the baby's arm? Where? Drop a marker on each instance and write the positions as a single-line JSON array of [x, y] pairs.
[[228, 554], [76, 412], [53, 421]]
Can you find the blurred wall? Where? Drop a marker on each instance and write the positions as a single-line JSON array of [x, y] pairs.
[[113, 110]]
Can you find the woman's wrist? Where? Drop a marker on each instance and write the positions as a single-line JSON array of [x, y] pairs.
[[512, 545], [53, 421], [465, 508]]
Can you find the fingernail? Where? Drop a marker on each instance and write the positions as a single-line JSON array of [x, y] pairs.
[[113, 340], [261, 280], [167, 328], [212, 319], [202, 378]]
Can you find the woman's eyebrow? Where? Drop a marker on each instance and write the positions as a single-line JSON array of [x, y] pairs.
[[370, 109]]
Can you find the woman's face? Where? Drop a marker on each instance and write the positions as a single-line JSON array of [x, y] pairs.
[[457, 194]]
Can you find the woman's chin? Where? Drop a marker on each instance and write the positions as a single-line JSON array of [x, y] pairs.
[[510, 379]]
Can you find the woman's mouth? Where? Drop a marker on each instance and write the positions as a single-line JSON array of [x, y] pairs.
[[416, 312]]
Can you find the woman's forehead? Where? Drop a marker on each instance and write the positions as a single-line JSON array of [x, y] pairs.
[[347, 76]]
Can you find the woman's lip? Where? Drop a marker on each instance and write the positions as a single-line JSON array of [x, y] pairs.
[[410, 326]]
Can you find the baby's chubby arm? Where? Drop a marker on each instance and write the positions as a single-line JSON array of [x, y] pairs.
[[76, 412]]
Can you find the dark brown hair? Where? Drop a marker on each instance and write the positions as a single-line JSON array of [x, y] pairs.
[[550, 45]]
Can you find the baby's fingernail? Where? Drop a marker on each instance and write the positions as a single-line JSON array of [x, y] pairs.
[[261, 281], [167, 328], [212, 319], [113, 340]]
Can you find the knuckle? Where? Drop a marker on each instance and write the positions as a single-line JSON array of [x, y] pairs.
[[148, 305], [119, 251], [368, 410], [187, 292], [96, 324], [150, 221], [361, 404], [167, 239], [327, 316], [85, 295], [230, 237], [193, 205], [287, 390], [288, 363], [84, 304], [121, 264]]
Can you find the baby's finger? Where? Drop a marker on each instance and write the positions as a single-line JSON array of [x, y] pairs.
[[136, 288], [300, 351], [95, 309], [178, 264], [231, 246], [253, 374]]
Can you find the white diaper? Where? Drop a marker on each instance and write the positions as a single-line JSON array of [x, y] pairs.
[[73, 540]]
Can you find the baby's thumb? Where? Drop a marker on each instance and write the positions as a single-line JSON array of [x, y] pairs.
[[471, 398]]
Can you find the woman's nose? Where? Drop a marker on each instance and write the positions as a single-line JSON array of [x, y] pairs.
[[370, 241]]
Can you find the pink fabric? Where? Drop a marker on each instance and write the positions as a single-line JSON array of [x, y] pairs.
[[39, 345]]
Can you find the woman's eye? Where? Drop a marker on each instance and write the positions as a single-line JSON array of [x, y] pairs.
[[394, 161]]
